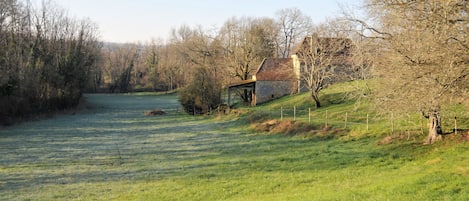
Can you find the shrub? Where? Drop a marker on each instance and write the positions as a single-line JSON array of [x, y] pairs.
[[202, 94]]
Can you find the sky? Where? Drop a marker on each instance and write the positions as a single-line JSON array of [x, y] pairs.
[[130, 21]]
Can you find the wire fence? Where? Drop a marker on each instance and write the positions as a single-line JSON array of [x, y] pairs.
[[452, 121]]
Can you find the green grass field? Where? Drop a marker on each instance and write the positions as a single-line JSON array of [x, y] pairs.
[[115, 152]]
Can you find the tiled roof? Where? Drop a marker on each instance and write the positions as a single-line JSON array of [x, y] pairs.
[[275, 69], [339, 49], [241, 83]]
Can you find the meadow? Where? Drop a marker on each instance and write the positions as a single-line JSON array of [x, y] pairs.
[[114, 152]]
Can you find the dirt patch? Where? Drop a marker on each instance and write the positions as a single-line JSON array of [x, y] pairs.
[[282, 127], [156, 112], [462, 136], [295, 128], [465, 137], [386, 140], [266, 126]]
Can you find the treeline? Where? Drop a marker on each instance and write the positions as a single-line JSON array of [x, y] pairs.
[[46, 58], [224, 55], [231, 52], [415, 51], [49, 59]]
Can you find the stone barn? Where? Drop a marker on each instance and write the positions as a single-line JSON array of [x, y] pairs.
[[273, 79], [277, 77]]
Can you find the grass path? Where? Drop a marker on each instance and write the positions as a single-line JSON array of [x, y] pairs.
[[112, 143], [114, 152]]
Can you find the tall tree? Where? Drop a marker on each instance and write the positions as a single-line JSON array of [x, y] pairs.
[[197, 48], [293, 26], [423, 62], [246, 42], [171, 67], [201, 49], [46, 57], [319, 57], [202, 93], [119, 63]]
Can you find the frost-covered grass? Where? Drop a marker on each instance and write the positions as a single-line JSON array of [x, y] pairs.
[[114, 152]]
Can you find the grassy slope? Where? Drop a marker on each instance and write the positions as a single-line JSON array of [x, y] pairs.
[[337, 101], [115, 153]]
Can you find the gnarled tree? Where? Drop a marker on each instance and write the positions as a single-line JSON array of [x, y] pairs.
[[423, 61]]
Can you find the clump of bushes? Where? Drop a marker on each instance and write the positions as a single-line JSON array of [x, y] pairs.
[[203, 93]]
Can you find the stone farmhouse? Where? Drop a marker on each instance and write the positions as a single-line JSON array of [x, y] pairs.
[[277, 77]]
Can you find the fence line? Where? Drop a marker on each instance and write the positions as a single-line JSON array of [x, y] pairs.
[[390, 123]]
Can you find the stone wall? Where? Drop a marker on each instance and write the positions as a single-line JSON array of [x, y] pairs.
[[269, 90]]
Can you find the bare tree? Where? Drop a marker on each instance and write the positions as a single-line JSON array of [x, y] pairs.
[[319, 57], [423, 59], [293, 26], [246, 42], [149, 72], [119, 63], [46, 57], [172, 67], [200, 50]]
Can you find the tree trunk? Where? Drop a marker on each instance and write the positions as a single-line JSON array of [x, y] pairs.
[[316, 99], [435, 127]]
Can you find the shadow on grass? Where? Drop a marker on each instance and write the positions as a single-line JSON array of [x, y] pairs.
[[116, 142]]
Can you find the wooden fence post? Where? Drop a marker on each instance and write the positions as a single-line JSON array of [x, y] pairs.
[[327, 117], [455, 125], [421, 124], [392, 123], [294, 113], [281, 113], [407, 126], [367, 121], [346, 118]]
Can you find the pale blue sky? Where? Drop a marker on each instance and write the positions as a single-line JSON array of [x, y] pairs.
[[142, 20]]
